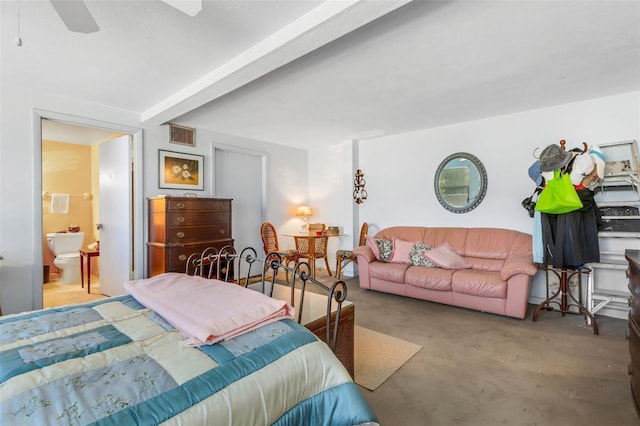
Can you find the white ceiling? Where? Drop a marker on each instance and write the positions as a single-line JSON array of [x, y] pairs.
[[304, 72]]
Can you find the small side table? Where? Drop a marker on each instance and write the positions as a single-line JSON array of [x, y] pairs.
[[87, 254]]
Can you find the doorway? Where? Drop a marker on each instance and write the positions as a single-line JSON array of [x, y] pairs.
[[71, 168], [240, 174]]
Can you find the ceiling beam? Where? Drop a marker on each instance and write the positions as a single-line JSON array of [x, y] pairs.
[[327, 22]]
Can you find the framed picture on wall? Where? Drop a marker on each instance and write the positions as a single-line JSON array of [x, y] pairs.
[[177, 170]]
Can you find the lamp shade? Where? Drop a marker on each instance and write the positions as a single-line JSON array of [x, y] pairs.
[[304, 211]]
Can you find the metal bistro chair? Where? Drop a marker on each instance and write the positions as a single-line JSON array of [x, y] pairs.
[[344, 257], [270, 245]]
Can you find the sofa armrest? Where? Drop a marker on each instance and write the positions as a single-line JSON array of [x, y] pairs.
[[365, 253], [518, 265]]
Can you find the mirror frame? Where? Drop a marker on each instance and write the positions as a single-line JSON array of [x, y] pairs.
[[483, 182]]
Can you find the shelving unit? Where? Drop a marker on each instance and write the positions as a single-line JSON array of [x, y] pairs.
[[619, 203], [597, 297]]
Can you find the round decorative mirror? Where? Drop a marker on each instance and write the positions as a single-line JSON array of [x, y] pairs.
[[460, 182]]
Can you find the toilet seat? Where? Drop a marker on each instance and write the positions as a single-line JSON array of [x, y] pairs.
[[68, 255]]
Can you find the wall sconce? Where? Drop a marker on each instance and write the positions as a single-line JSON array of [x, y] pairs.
[[359, 193], [304, 212]]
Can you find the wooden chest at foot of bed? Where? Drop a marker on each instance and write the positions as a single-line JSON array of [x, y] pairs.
[[346, 328], [313, 317]]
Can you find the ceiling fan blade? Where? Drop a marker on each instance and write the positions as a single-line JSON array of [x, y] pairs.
[[190, 7], [75, 15]]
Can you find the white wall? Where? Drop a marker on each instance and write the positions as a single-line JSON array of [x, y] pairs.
[[286, 179], [399, 169], [20, 187], [20, 181]]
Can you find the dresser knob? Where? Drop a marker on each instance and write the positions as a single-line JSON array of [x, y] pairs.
[[180, 219], [180, 234], [222, 232], [182, 257], [180, 205]]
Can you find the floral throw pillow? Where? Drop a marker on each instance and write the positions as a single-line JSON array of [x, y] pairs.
[[416, 256], [385, 247]]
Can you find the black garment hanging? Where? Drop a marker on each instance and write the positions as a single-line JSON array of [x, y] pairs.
[[571, 239]]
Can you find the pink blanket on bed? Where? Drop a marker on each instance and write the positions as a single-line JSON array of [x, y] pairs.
[[207, 310]]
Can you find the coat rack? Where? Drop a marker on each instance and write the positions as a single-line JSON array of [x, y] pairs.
[[564, 274]]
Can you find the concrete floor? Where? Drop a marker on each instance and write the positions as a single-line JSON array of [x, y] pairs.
[[484, 369]]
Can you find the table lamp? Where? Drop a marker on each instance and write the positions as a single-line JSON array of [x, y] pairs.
[[304, 212]]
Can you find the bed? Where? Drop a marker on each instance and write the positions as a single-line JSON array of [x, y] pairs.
[[117, 361]]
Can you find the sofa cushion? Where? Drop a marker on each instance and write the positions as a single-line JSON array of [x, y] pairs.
[[444, 256], [479, 283], [388, 271], [492, 265], [430, 278]]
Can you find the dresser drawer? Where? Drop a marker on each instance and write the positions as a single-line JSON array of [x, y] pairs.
[[634, 344], [198, 218], [192, 234], [634, 305], [166, 258], [181, 226], [211, 204], [634, 280]]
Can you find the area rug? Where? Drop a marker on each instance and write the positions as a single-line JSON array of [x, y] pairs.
[[378, 356]]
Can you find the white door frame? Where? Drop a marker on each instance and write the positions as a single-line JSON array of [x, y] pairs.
[[138, 198], [265, 163]]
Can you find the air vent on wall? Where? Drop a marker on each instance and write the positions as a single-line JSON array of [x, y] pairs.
[[182, 135]]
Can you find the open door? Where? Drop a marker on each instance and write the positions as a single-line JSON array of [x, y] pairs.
[[115, 222]]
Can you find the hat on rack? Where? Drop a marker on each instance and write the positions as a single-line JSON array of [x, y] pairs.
[[553, 157], [582, 167], [598, 159]]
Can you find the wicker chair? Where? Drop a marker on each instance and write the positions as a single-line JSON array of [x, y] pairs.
[[344, 257], [270, 245], [313, 248]]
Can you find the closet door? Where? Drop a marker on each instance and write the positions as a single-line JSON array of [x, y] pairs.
[[240, 175]]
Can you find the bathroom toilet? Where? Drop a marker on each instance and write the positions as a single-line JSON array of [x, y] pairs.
[[66, 246]]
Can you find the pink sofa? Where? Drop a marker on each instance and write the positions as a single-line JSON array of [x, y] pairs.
[[497, 282]]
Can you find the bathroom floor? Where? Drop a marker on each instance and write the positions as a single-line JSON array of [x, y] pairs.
[[56, 294]]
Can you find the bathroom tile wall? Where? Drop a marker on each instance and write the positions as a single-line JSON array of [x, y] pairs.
[[66, 169]]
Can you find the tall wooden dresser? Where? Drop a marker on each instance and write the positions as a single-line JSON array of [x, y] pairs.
[[633, 257], [181, 226]]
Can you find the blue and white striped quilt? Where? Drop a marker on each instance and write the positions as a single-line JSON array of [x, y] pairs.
[[116, 362]]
